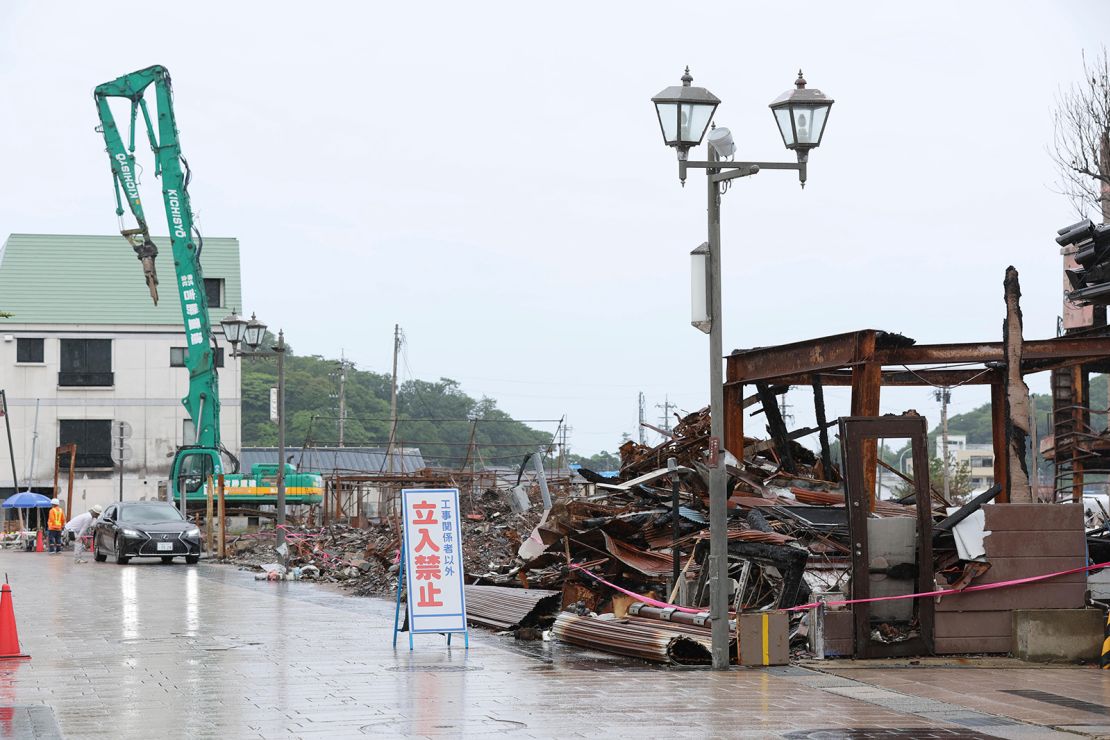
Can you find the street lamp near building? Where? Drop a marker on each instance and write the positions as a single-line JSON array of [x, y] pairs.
[[685, 113], [252, 333]]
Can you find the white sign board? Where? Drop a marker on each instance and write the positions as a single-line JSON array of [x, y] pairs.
[[433, 560], [273, 405]]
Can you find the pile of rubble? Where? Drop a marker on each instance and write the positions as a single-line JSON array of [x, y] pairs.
[[364, 560], [617, 543]]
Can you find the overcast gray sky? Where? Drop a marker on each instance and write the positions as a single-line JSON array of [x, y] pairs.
[[491, 176]]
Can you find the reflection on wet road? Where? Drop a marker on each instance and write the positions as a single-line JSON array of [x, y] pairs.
[[153, 650]]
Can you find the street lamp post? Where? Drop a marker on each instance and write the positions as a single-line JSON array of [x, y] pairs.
[[685, 113], [902, 459], [237, 329]]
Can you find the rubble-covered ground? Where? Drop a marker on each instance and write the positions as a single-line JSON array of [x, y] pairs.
[[365, 560]]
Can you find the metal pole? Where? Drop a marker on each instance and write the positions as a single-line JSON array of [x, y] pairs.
[[11, 448], [676, 568], [942, 396], [280, 350], [718, 517], [541, 479], [121, 470], [220, 513], [34, 444], [393, 398]]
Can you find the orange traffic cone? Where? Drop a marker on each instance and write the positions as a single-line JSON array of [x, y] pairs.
[[38, 542], [9, 636]]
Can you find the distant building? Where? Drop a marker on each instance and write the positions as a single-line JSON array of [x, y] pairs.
[[86, 348], [979, 459]]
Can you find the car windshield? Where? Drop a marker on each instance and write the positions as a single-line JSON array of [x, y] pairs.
[[149, 514]]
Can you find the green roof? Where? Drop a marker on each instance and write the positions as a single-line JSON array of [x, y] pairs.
[[71, 279]]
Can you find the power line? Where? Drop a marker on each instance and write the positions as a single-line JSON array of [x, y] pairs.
[[484, 421]]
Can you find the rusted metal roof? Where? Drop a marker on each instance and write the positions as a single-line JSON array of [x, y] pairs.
[[646, 562], [633, 638], [504, 608]]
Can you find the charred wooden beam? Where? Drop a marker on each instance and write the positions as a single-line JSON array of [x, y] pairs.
[[1017, 394], [776, 427], [819, 408], [735, 403], [998, 438]]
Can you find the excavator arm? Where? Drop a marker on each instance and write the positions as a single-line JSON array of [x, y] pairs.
[[203, 401]]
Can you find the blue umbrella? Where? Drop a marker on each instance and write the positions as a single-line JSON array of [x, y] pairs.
[[27, 500]]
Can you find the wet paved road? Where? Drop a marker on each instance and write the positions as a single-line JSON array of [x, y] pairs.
[[148, 650]]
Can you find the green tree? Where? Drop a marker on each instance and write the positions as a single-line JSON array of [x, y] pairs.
[[597, 462], [438, 417], [959, 480]]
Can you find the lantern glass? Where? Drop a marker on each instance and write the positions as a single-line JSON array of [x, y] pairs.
[[255, 332], [668, 121], [693, 121], [684, 113], [801, 115], [786, 127], [234, 326]]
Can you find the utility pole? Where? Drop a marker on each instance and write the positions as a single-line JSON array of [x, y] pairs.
[[943, 396], [563, 449], [667, 406], [393, 398], [784, 410], [342, 396], [643, 432]]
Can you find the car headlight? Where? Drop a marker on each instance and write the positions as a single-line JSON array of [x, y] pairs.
[[131, 533], [192, 533]]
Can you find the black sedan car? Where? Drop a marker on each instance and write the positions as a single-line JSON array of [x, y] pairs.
[[145, 529]]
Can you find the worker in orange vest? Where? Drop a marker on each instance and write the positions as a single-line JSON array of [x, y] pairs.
[[55, 522]]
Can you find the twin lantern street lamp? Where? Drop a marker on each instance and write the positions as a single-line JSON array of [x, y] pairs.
[[685, 113], [252, 333]]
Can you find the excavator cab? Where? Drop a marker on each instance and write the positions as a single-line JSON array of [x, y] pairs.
[[192, 467]]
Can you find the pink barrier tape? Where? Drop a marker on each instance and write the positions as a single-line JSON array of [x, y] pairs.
[[953, 592], [640, 597], [945, 592]]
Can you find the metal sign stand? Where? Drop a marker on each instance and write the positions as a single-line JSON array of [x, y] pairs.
[[451, 544], [397, 610]]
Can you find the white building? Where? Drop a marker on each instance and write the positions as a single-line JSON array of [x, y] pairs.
[[85, 347], [978, 457]]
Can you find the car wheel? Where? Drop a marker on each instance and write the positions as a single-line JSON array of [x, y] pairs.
[[98, 556], [120, 557], [167, 558], [192, 559]]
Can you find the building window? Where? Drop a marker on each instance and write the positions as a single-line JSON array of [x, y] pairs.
[[93, 438], [982, 462], [28, 349], [86, 362], [214, 292], [177, 357]]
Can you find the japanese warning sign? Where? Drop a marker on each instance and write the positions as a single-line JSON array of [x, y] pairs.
[[433, 560]]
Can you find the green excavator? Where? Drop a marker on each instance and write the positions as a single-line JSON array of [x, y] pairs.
[[192, 464]]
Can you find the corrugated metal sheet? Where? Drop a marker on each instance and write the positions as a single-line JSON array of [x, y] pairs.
[[503, 608], [648, 563], [330, 460], [74, 279], [634, 638]]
